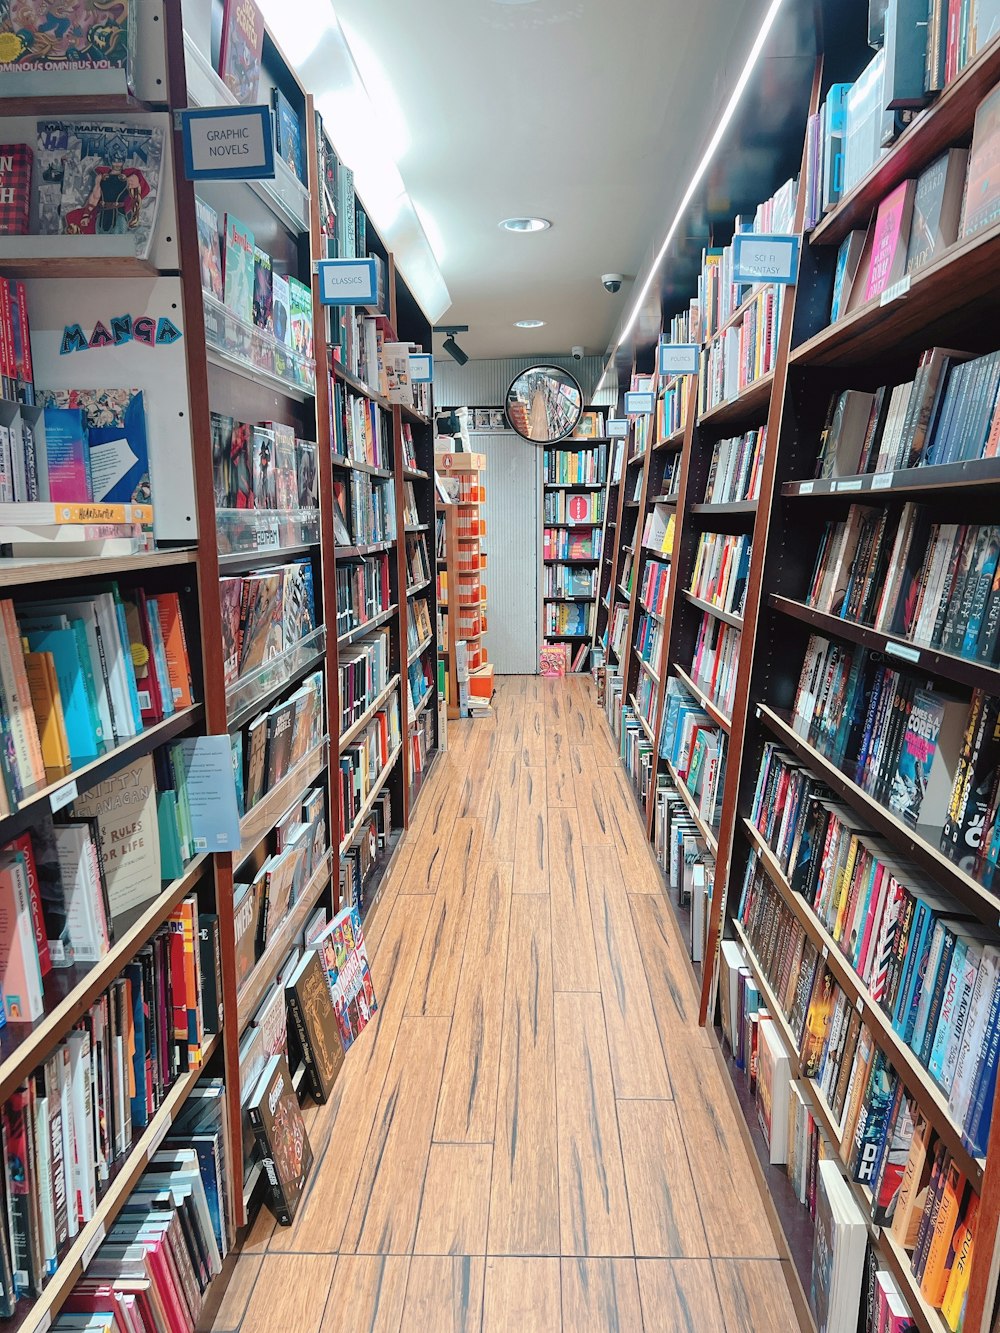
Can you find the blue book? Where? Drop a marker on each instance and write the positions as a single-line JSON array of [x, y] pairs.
[[946, 1019], [935, 974], [905, 1015], [66, 461], [133, 973], [65, 649], [288, 134], [976, 1130], [119, 450], [834, 128]]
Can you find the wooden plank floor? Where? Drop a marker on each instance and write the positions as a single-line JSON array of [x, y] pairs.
[[533, 1134]]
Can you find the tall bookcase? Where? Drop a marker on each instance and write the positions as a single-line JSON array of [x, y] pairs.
[[204, 540]]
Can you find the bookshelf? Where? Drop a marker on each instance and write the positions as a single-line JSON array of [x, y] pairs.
[[460, 477], [217, 532], [447, 578]]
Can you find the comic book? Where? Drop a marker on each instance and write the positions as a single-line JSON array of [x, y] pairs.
[[209, 250], [66, 34], [306, 466], [286, 485], [241, 48], [280, 298], [97, 179], [238, 271], [298, 607], [301, 318], [222, 438], [264, 487], [262, 292], [288, 134], [241, 467], [261, 626], [118, 450]]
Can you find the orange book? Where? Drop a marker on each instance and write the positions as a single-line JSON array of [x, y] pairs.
[[46, 703], [912, 1189], [175, 644], [961, 1267], [937, 1268]]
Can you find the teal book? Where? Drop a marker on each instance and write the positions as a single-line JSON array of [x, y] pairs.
[[64, 647], [171, 854], [160, 656], [183, 808]]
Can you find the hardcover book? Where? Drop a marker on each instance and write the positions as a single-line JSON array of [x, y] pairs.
[[99, 179], [300, 318], [241, 48], [892, 232], [288, 134], [117, 447], [238, 273], [281, 1137], [56, 35], [209, 250], [262, 292], [124, 807], [310, 1007], [982, 194], [280, 300], [15, 188], [937, 208]]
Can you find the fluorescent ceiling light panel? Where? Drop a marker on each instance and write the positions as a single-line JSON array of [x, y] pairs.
[[705, 162]]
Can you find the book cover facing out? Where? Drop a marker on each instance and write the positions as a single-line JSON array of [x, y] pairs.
[[281, 1137], [982, 195], [892, 232], [241, 49]]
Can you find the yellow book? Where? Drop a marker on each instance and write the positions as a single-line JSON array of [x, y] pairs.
[[844, 886], [667, 546], [47, 704], [961, 1268]]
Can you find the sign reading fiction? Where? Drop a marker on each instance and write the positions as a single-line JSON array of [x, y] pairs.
[[678, 359], [228, 143], [640, 403], [347, 282], [765, 258]]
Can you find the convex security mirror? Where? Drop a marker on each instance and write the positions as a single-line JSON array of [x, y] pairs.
[[544, 404]]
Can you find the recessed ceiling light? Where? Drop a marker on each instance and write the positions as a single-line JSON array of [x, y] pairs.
[[526, 224], [529, 323]]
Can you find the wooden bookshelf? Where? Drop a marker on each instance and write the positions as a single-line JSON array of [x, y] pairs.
[[555, 494]]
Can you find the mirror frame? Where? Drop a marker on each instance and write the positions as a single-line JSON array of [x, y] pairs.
[[559, 370]]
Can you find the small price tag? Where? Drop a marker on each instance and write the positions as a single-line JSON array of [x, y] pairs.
[[806, 488], [882, 481], [851, 484], [826, 952], [61, 798], [158, 1138], [859, 1004], [894, 292], [93, 1245], [902, 650]]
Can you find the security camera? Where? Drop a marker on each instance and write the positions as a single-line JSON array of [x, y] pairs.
[[577, 353], [612, 282]]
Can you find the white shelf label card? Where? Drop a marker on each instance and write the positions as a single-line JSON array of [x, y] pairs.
[[882, 481], [852, 484], [93, 1245], [617, 428], [678, 359], [640, 403], [859, 1004], [806, 488], [421, 368], [765, 258], [894, 292], [347, 282], [903, 650], [228, 143], [61, 798]]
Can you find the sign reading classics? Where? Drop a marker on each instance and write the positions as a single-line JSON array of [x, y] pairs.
[[640, 403], [227, 143], [347, 282], [617, 428], [421, 368], [765, 258], [678, 359]]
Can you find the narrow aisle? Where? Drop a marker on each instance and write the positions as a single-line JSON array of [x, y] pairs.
[[534, 1133]]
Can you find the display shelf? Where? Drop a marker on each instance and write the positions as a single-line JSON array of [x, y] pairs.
[[948, 666], [749, 403], [358, 386], [947, 121], [69, 991], [73, 257], [725, 616], [734, 508], [552, 635], [359, 631], [251, 693], [37, 1317], [356, 728], [260, 819], [19, 573], [919, 844], [358, 465], [414, 588], [244, 562], [916, 1078], [672, 442], [369, 800], [709, 835], [414, 474], [720, 718], [383, 865], [645, 667], [254, 353], [372, 548], [419, 651], [259, 981], [270, 532], [642, 721], [574, 486], [421, 706], [976, 474], [412, 414], [82, 92], [416, 527], [579, 598]]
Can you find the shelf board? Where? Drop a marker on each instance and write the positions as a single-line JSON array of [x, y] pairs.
[[18, 573], [722, 510], [709, 836], [720, 718], [358, 386], [947, 121], [239, 562], [642, 722], [645, 667], [86, 92], [372, 548], [595, 525], [71, 257], [356, 728], [422, 706], [97, 770], [750, 402], [261, 818], [624, 593], [38, 1315], [370, 799], [591, 598], [296, 663], [574, 560], [904, 1061], [412, 414], [977, 473], [919, 844], [963, 670], [574, 485], [672, 442], [419, 652], [414, 474], [252, 991], [416, 527], [664, 500], [258, 375], [941, 300], [414, 588], [352, 635], [356, 465], [725, 616], [69, 992]]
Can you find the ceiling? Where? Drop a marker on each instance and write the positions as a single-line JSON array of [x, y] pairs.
[[590, 113]]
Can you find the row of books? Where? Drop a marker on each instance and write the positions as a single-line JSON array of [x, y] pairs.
[[411, 513], [563, 544], [636, 750], [264, 614], [69, 685], [617, 629], [565, 467], [721, 569], [363, 761], [274, 742], [562, 659], [649, 639], [931, 969], [418, 569], [364, 591], [672, 407], [659, 528], [359, 860], [420, 683], [655, 585], [238, 274], [76, 1116], [574, 618], [716, 661], [262, 902], [364, 510], [734, 472], [688, 867], [418, 623], [69, 883], [262, 467], [567, 507], [17, 378], [719, 296], [359, 428], [695, 747], [363, 669], [645, 699], [568, 581], [745, 352]]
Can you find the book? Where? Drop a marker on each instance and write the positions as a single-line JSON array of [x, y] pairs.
[[263, 298], [71, 35], [891, 236], [937, 208], [288, 136], [209, 250], [67, 455], [117, 459], [838, 1253], [284, 1147], [280, 303], [982, 193], [16, 160], [310, 1006], [238, 269], [241, 48], [300, 318], [124, 807], [933, 731]]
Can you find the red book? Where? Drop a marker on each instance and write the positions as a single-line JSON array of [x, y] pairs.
[[24, 846], [892, 234], [15, 188], [241, 48]]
